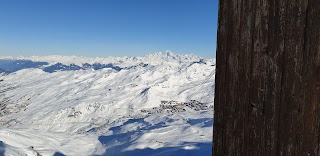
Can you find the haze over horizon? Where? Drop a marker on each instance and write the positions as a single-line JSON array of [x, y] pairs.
[[108, 28]]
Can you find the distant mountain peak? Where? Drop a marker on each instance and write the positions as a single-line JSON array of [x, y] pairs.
[[169, 53], [152, 59], [170, 56]]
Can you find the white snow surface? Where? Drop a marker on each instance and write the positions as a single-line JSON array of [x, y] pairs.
[[98, 112]]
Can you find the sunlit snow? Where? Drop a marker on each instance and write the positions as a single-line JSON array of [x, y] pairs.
[[103, 111]]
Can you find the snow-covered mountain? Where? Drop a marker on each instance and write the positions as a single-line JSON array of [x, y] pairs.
[[153, 59], [159, 104]]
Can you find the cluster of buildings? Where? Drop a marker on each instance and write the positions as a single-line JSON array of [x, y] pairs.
[[176, 106]]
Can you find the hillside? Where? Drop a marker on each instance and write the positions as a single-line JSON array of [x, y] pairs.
[[69, 105]]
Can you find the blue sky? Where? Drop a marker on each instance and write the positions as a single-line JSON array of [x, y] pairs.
[[99, 28]]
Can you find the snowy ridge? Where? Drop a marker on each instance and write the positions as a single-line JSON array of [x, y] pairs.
[[99, 112], [152, 59]]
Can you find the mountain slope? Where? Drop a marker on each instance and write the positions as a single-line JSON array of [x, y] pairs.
[[105, 107]]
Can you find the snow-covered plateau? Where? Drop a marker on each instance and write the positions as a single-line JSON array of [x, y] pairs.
[[160, 105]]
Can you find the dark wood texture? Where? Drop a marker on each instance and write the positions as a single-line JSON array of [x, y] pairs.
[[267, 95]]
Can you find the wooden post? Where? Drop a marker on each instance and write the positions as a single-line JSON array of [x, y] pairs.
[[267, 95]]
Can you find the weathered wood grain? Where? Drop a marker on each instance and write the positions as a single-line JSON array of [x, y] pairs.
[[267, 95]]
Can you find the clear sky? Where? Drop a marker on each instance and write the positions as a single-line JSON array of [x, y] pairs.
[[100, 28]]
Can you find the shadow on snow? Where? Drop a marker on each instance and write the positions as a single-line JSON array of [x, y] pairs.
[[200, 149], [1, 148], [58, 154], [121, 140]]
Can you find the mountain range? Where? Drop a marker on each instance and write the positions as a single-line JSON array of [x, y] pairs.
[[159, 104]]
